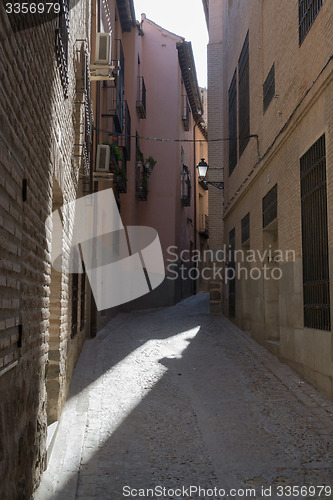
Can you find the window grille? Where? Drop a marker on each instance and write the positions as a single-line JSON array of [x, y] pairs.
[[185, 186], [232, 95], [75, 303], [141, 97], [83, 298], [308, 11], [244, 97], [245, 223], [232, 281], [269, 207], [62, 41], [316, 284], [186, 113], [269, 87]]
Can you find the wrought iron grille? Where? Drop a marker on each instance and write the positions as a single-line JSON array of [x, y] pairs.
[[232, 282], [62, 40], [141, 97], [83, 297], [269, 207], [316, 284], [308, 11], [269, 87], [127, 132], [232, 95], [75, 304], [245, 223], [185, 186], [244, 97], [186, 113]]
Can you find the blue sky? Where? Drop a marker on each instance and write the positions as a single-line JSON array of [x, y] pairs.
[[185, 18]]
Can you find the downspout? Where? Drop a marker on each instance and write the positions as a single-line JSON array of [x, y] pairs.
[[94, 184], [195, 206]]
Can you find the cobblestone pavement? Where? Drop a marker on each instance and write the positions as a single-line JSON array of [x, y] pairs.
[[175, 398]]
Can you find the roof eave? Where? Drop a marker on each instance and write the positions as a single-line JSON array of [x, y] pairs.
[[189, 74]]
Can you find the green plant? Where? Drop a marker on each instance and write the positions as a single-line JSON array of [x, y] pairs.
[[150, 163], [121, 172], [115, 150]]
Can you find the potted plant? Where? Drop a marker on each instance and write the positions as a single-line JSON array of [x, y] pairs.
[[149, 164]]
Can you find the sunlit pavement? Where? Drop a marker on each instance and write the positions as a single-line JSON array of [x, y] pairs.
[[176, 398]]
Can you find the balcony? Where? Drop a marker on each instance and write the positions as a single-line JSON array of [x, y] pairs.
[[141, 98], [203, 226]]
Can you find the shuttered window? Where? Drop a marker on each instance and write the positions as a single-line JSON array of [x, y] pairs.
[[269, 88], [269, 207], [245, 223]]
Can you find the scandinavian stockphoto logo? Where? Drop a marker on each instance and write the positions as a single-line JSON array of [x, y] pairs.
[[122, 263]]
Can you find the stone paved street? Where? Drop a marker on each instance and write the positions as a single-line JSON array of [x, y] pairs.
[[178, 397]]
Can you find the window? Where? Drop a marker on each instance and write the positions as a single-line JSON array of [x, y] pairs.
[[75, 303], [316, 285], [269, 207], [141, 98], [83, 297], [185, 182], [245, 223], [232, 95], [62, 39], [244, 97], [186, 113], [307, 13], [127, 132], [269, 88]]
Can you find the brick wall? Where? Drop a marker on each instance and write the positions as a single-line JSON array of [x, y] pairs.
[[299, 113], [37, 144]]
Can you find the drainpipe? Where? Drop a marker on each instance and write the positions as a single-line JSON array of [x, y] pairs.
[[94, 184], [195, 206]]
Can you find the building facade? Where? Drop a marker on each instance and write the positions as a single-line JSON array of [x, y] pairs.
[[44, 164], [149, 115], [273, 89], [92, 77]]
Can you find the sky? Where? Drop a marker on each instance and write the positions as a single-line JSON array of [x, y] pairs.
[[186, 18]]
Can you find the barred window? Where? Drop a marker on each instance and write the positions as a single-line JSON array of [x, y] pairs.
[[316, 283], [62, 40], [244, 97], [233, 123], [269, 207], [232, 282], [308, 11], [269, 88]]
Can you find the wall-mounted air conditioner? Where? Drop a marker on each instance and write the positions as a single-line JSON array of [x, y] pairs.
[[103, 158], [103, 48]]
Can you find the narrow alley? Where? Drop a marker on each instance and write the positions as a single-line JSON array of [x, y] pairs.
[[177, 398]]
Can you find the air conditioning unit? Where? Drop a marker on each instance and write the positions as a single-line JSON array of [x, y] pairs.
[[103, 49], [103, 158]]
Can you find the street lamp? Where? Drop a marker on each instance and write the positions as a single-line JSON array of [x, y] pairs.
[[202, 168]]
